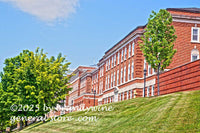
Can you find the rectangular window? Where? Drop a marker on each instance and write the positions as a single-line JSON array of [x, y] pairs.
[[148, 91], [122, 55], [195, 34], [117, 77], [109, 64], [118, 57], [119, 96], [114, 79], [112, 62], [131, 95], [152, 90], [129, 51], [127, 95], [108, 81], [125, 74], [123, 96], [125, 54], [111, 80], [129, 69], [144, 64], [106, 84], [133, 45], [149, 69], [121, 75], [115, 60], [132, 70]]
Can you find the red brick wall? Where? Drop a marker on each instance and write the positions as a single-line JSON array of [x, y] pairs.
[[183, 78]]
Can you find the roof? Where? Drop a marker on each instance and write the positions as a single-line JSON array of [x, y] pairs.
[[193, 9], [125, 37]]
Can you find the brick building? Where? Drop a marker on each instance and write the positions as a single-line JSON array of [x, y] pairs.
[[120, 72]]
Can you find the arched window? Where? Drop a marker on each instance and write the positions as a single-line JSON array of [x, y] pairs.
[[194, 54]]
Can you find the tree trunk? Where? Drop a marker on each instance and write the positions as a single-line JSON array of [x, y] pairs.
[[158, 79]]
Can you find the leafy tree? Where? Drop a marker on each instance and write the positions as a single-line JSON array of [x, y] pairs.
[[157, 42], [33, 79]]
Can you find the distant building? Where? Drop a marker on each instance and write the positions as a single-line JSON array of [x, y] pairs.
[[120, 72]]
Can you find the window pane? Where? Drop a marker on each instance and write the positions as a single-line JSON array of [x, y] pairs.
[[194, 57], [195, 31]]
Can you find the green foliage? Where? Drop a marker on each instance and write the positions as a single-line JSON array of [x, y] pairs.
[[157, 42], [32, 79]]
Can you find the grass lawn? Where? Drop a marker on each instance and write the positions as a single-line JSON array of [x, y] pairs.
[[177, 112]]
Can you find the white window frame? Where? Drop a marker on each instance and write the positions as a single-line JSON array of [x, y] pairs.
[[127, 94], [129, 51], [129, 69], [125, 53], [118, 57], [133, 48], [149, 69], [108, 81], [122, 55], [121, 75], [131, 95], [132, 70], [111, 76], [114, 79], [124, 74], [115, 60], [112, 63], [117, 77], [198, 32], [152, 90], [148, 91]]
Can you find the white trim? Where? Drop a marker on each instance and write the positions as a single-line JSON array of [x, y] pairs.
[[198, 32]]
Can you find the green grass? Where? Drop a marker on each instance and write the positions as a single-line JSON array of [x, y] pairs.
[[177, 112]]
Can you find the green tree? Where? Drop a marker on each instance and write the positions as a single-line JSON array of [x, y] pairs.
[[33, 79], [157, 42]]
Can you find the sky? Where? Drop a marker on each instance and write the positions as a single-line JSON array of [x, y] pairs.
[[80, 29]]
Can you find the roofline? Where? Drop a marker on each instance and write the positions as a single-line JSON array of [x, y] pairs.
[[182, 10], [126, 36]]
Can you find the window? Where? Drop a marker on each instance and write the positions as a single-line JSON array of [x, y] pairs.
[[123, 96], [144, 64], [148, 91], [125, 74], [129, 69], [111, 80], [194, 54], [122, 55], [132, 70], [125, 54], [121, 75], [129, 51], [112, 62], [106, 65], [131, 95], [117, 77], [152, 90], [118, 58], [109, 64], [133, 45], [114, 80], [119, 96], [127, 94], [149, 69], [195, 34], [108, 81], [153, 71], [115, 60]]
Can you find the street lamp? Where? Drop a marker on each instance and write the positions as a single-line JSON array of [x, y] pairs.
[[145, 72], [94, 91]]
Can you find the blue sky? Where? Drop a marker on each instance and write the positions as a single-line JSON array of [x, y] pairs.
[[80, 29]]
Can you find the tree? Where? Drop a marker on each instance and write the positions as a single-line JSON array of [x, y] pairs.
[[33, 79], [157, 41]]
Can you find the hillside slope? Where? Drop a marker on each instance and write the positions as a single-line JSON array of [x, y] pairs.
[[178, 112]]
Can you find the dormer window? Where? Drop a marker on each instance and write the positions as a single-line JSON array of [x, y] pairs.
[[195, 34]]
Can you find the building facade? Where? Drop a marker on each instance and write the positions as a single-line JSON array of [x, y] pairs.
[[119, 74]]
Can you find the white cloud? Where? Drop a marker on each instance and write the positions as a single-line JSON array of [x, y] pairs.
[[47, 10]]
